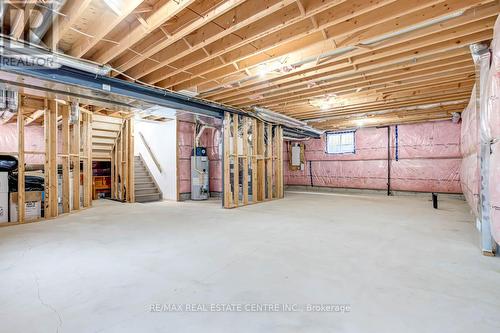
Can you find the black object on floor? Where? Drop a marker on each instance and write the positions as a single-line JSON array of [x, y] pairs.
[[435, 200]]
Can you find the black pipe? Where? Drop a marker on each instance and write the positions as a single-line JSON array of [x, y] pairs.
[[310, 173], [388, 158], [434, 200]]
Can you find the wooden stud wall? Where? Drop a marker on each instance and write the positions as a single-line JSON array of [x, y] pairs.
[[75, 158], [260, 159], [122, 163]]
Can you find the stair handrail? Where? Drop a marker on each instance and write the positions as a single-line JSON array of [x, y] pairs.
[[148, 148]]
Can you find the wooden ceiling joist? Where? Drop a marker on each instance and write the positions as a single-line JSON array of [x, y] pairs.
[[362, 58], [159, 16]]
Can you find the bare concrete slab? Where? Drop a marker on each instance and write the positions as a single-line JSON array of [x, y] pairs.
[[396, 264]]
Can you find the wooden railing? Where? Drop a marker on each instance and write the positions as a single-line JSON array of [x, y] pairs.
[[155, 160]]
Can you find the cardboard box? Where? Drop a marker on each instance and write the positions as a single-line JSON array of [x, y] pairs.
[[4, 207], [33, 206]]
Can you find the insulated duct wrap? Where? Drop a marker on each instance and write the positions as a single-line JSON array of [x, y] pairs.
[[492, 123], [480, 130]]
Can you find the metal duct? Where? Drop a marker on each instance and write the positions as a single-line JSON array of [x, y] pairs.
[[29, 54], [51, 8], [280, 119], [74, 115], [9, 101]]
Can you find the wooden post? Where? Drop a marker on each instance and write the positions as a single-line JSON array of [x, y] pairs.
[[46, 130], [21, 208], [227, 164], [131, 166], [75, 157], [255, 183], [65, 159], [261, 172], [245, 160], [117, 172], [280, 176], [87, 159], [125, 133], [269, 161], [236, 176], [122, 164], [51, 195]]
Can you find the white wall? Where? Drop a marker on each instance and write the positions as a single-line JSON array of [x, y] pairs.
[[162, 139]]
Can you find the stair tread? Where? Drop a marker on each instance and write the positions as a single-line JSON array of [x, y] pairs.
[[146, 189]]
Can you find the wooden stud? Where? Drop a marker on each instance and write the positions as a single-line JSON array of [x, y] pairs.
[[75, 158], [65, 159], [131, 165], [87, 162], [255, 183], [21, 208], [261, 163], [227, 162], [245, 160], [236, 168], [51, 191], [269, 161], [125, 161]]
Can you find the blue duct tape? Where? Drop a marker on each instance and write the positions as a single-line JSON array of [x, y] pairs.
[[397, 143]]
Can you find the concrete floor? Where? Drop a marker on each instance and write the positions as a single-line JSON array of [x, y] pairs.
[[400, 265]]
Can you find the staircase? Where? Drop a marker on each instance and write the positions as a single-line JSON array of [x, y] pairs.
[[146, 189]]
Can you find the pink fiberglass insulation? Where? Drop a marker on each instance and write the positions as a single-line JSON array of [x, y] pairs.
[[490, 131], [428, 160], [210, 139], [492, 122], [34, 141], [469, 172]]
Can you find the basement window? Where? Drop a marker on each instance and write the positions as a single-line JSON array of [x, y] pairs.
[[340, 142]]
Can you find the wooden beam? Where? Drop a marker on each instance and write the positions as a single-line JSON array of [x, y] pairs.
[[65, 159], [163, 54], [245, 159], [75, 158], [269, 161], [131, 167], [33, 117], [21, 207], [255, 183], [261, 162], [50, 171], [236, 167], [72, 12], [107, 22], [87, 161], [160, 15], [227, 162]]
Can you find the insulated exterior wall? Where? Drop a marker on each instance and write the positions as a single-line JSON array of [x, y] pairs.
[[34, 141], [428, 160]]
